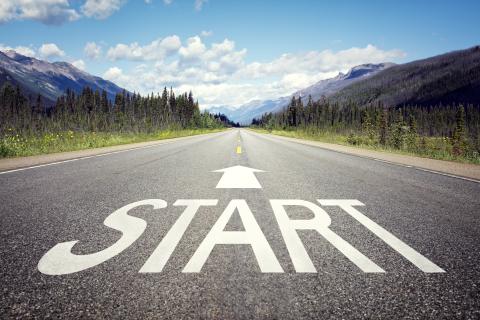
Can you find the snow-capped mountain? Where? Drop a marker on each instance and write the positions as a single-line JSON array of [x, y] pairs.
[[254, 109], [330, 86], [49, 79]]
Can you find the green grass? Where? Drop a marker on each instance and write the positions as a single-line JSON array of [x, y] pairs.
[[15, 145], [434, 148]]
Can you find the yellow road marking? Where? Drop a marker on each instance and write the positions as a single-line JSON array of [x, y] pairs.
[[239, 149]]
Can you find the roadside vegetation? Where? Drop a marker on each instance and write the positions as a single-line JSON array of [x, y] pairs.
[[90, 120], [15, 145], [440, 132]]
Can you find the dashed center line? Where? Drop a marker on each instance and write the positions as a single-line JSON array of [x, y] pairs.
[[239, 149]]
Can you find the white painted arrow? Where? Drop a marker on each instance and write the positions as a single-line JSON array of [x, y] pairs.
[[238, 177]]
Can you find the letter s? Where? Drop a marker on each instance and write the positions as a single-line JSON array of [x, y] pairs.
[[60, 260]]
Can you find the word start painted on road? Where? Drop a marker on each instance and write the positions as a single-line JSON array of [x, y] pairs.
[[60, 260]]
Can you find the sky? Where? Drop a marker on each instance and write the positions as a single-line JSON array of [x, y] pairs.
[[231, 52]]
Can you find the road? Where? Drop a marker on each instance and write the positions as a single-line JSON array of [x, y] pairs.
[[436, 216]]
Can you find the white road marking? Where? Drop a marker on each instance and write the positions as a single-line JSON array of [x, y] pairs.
[[238, 177], [252, 235], [60, 260], [162, 253], [93, 156], [423, 169], [320, 223], [398, 245], [448, 175], [375, 159]]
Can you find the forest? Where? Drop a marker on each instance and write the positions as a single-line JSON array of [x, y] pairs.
[[450, 132], [446, 79], [90, 119]]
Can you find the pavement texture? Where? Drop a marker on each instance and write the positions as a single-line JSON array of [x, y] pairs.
[[23, 162], [467, 170], [436, 215]]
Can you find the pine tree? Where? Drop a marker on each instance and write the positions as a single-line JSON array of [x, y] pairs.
[[412, 133], [383, 127], [398, 131], [458, 139], [104, 102], [292, 113], [367, 126]]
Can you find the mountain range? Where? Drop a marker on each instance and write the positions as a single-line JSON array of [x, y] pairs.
[[448, 78], [51, 80], [255, 109], [453, 77]]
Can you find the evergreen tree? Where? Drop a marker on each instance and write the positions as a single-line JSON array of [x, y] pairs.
[[398, 132], [383, 127], [367, 126], [412, 133], [458, 139]]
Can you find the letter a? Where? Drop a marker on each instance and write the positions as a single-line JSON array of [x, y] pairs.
[[252, 235]]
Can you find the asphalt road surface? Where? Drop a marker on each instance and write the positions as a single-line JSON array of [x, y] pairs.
[[412, 252]]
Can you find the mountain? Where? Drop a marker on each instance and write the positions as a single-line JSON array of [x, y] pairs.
[[329, 87], [36, 76], [255, 109], [444, 79], [246, 112]]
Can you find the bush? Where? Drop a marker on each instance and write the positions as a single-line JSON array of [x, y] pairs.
[[352, 139]]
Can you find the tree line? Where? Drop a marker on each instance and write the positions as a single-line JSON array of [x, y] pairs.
[[403, 128], [93, 111]]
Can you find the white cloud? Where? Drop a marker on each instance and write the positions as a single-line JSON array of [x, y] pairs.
[[156, 50], [45, 11], [92, 50], [56, 12], [101, 9], [219, 74], [199, 4], [191, 63], [324, 61], [8, 10], [296, 81], [23, 50], [50, 50], [206, 33], [80, 64], [117, 76], [112, 73], [235, 93], [26, 51], [194, 48]]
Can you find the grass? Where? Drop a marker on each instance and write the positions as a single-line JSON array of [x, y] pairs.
[[434, 148], [15, 145]]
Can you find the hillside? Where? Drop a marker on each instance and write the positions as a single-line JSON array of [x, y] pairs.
[[255, 109], [36, 76], [448, 78]]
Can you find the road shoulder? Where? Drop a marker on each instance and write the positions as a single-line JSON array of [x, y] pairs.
[[462, 170], [8, 164]]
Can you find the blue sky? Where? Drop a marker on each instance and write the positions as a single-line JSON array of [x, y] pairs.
[[230, 52]]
